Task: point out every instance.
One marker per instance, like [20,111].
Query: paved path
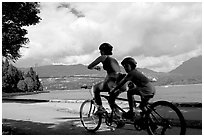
[51,118]
[69,128]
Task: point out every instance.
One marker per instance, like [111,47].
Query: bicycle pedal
[112,128]
[120,124]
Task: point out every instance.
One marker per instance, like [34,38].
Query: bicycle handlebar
[86,87]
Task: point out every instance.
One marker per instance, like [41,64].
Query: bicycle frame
[121,99]
[107,97]
[118,107]
[149,115]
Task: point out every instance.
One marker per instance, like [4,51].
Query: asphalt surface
[18,127]
[62,118]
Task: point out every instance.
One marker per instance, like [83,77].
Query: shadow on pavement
[18,127]
[70,127]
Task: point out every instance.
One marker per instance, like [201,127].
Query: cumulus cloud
[160,35]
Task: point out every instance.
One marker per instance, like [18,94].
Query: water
[182,93]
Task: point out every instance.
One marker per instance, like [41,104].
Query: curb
[23,100]
[178,104]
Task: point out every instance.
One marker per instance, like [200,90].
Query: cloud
[165,63]
[70,33]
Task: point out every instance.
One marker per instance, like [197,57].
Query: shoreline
[47,91]
[179,94]
[178,104]
[180,85]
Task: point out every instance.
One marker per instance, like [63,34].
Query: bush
[22,86]
[30,84]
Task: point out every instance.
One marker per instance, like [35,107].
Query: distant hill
[65,70]
[191,67]
[79,70]
[190,72]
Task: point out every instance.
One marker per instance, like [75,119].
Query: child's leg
[130,93]
[97,89]
[113,96]
[100,87]
[144,101]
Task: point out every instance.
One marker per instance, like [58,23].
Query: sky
[160,36]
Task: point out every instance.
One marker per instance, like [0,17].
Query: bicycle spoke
[89,119]
[165,118]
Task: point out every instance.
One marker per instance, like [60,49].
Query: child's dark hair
[129,60]
[106,48]
[132,66]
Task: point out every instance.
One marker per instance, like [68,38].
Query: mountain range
[191,67]
[189,72]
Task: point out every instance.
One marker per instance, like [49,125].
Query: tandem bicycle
[159,118]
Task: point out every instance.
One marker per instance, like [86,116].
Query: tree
[15,15]
[31,73]
[22,86]
[37,82]
[10,77]
[5,76]
[40,87]
[30,84]
[32,81]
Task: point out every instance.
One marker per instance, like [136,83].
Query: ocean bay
[172,93]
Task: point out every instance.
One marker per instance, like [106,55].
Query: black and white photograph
[101,68]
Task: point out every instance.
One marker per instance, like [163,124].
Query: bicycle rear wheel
[165,118]
[89,119]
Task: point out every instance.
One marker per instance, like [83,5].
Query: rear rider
[143,86]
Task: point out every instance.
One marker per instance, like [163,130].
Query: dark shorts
[142,92]
[112,80]
[145,96]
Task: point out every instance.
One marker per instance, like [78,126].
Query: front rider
[112,68]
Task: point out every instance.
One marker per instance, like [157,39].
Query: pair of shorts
[112,80]
[141,92]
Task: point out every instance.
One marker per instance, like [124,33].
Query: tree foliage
[15,15]
[22,86]
[14,80]
[32,81]
[10,77]
[30,84]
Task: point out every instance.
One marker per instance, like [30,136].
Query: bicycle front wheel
[89,119]
[165,118]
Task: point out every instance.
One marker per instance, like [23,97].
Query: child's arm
[120,84]
[94,64]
